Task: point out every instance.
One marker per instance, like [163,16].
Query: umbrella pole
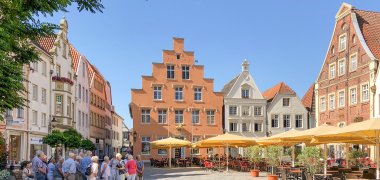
[170,157]
[325,154]
[219,156]
[377,155]
[293,155]
[227,157]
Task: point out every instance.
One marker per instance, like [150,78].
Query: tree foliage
[19,27]
[353,156]
[88,145]
[254,154]
[311,159]
[273,154]
[54,139]
[3,152]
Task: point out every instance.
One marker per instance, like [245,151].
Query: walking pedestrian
[131,167]
[121,168]
[51,169]
[140,168]
[58,174]
[69,168]
[84,163]
[27,172]
[94,168]
[113,163]
[105,169]
[78,174]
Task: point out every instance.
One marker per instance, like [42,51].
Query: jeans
[40,176]
[84,177]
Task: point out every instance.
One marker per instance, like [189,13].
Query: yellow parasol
[169,143]
[368,131]
[227,140]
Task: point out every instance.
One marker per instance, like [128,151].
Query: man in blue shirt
[84,163]
[69,167]
[39,167]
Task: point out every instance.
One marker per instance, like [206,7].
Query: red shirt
[131,166]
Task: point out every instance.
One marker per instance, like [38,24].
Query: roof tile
[280,88]
[307,99]
[369,24]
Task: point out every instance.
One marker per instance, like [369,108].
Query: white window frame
[341,67]
[236,110]
[147,141]
[340,42]
[210,114]
[197,94]
[248,127]
[243,112]
[195,116]
[185,72]
[35,92]
[322,103]
[353,68]
[245,93]
[178,93]
[299,120]
[332,70]
[351,95]
[44,68]
[275,117]
[234,127]
[342,103]
[170,71]
[363,99]
[43,120]
[179,116]
[332,101]
[162,116]
[283,102]
[260,127]
[145,116]
[194,140]
[289,120]
[20,112]
[34,117]
[258,110]
[157,92]
[43,95]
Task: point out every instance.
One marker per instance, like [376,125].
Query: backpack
[88,170]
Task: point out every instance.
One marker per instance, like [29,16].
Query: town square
[189,89]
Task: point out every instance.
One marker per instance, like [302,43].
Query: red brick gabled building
[344,88]
[175,101]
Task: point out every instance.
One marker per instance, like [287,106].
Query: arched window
[353,39]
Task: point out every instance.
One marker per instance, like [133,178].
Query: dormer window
[245,93]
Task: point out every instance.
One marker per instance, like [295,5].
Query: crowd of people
[82,166]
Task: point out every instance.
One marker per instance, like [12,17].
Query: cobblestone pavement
[195,173]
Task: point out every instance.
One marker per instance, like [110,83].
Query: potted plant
[311,159]
[254,154]
[353,157]
[273,156]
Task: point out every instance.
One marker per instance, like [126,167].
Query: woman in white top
[27,173]
[94,168]
[105,169]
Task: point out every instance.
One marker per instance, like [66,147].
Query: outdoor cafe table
[296,172]
[323,176]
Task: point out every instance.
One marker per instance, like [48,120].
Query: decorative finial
[245,65]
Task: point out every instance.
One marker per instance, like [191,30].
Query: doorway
[179,152]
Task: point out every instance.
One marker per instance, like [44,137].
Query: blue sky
[283,40]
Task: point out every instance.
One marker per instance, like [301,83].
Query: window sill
[198,101]
[196,124]
[365,102]
[170,79]
[162,123]
[145,154]
[211,125]
[158,100]
[145,123]
[180,101]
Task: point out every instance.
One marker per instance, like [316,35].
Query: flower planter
[255,173]
[272,177]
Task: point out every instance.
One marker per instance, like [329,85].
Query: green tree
[274,154]
[353,156]
[311,159]
[19,27]
[254,154]
[3,152]
[86,144]
[54,139]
